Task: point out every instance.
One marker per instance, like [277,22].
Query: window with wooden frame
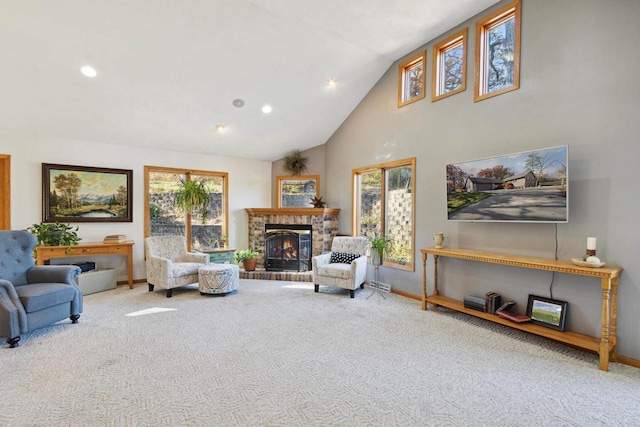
[297,191]
[449,74]
[497,62]
[5,192]
[163,218]
[411,79]
[383,203]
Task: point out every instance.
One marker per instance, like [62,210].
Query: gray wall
[579,86]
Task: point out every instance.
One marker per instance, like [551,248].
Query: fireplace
[323,223]
[287,247]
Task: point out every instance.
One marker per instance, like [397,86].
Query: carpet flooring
[277,354]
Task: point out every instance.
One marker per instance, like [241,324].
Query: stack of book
[475,302]
[115,238]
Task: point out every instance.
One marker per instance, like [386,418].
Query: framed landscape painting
[86,194]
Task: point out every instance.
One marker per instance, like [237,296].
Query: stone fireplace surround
[324,222]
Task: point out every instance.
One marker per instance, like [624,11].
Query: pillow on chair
[343,258]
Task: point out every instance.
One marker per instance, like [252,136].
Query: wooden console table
[605,346]
[45,253]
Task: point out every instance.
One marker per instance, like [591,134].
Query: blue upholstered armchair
[32,297]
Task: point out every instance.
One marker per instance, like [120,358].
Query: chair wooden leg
[151,287]
[362,285]
[169,293]
[13,342]
[74,318]
[316,288]
[352,293]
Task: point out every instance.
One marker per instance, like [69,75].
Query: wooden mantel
[293,211]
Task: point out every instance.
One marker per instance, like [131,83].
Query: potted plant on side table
[55,234]
[248,258]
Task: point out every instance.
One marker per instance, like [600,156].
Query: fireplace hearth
[287,247]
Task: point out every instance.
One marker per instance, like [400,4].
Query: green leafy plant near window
[380,244]
[55,234]
[192,197]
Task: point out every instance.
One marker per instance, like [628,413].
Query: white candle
[591,243]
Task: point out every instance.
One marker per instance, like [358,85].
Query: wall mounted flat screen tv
[530,186]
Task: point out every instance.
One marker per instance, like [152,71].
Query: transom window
[411,80]
[497,63]
[384,204]
[449,66]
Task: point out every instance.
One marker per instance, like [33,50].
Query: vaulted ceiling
[168,71]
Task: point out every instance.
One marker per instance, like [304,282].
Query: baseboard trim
[126,282]
[406,294]
[628,361]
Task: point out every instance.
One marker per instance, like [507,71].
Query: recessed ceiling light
[331,82]
[221,128]
[88,71]
[239,103]
[267,109]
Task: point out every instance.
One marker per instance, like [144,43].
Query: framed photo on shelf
[297,191]
[547,312]
[86,194]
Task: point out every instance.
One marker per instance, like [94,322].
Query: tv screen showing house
[530,186]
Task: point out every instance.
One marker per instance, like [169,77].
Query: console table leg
[424,281]
[606,323]
[614,319]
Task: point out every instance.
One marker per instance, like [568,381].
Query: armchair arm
[159,270]
[319,261]
[195,257]
[13,318]
[53,274]
[359,269]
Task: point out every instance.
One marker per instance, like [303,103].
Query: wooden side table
[45,253]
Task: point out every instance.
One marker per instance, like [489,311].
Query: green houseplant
[192,197]
[380,245]
[248,258]
[55,234]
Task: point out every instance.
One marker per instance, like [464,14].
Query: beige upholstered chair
[169,265]
[337,270]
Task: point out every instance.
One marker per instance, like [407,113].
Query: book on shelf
[510,315]
[115,238]
[492,301]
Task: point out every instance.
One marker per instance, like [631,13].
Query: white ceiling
[169,70]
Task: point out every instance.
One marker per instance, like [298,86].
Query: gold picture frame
[297,191]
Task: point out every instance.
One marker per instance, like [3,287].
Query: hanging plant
[295,163]
[193,198]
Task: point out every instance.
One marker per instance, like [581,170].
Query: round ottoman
[218,279]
